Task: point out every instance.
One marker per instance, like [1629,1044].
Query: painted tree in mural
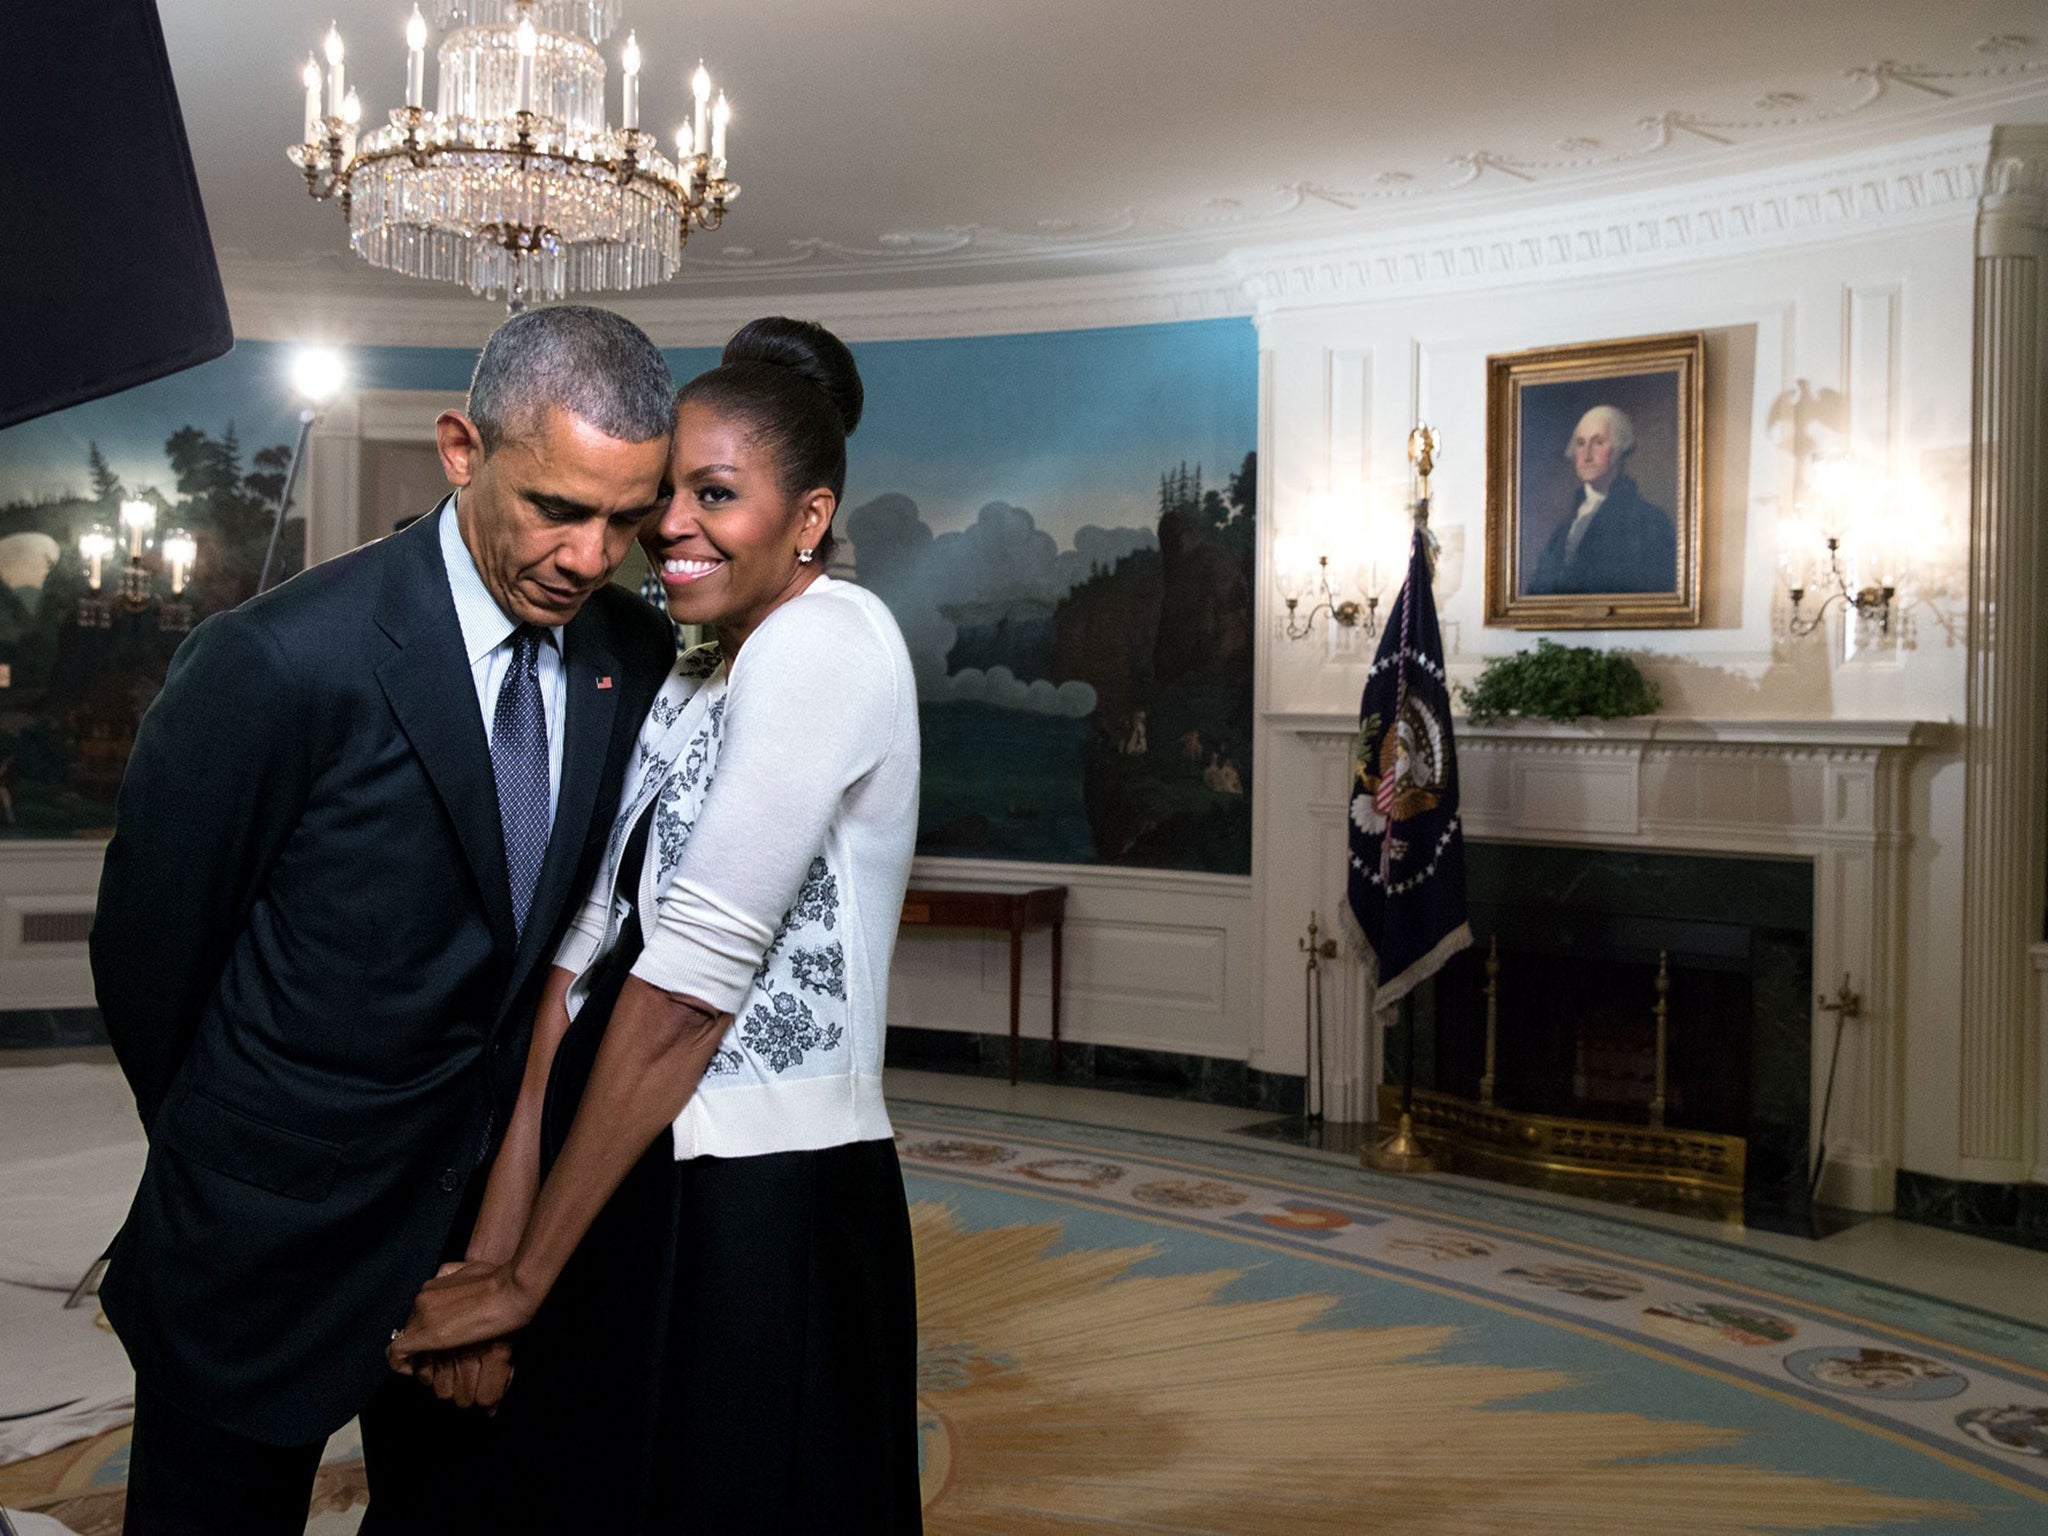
[74,696]
[1165,638]
[229,511]
[106,485]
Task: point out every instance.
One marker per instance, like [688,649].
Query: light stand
[284,500]
[317,376]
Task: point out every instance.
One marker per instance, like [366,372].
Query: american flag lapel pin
[605,681]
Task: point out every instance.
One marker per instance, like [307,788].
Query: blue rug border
[1335,1175]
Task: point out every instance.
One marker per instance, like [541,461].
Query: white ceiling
[898,142]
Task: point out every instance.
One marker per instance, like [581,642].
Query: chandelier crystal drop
[516,185]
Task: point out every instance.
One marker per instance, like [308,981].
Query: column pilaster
[2006,740]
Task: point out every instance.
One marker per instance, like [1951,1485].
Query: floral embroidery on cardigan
[776,1030]
[820,970]
[783,1029]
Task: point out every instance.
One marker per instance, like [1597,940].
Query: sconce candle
[180,551]
[721,116]
[700,125]
[138,517]
[94,545]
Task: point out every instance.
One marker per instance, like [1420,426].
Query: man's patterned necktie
[519,759]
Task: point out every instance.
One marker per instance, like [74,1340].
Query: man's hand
[457,1339]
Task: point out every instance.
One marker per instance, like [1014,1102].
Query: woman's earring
[806,556]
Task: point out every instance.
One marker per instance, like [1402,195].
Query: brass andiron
[1486,1079]
[1314,1093]
[1401,1152]
[1662,1014]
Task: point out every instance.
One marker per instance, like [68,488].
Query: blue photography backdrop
[1062,523]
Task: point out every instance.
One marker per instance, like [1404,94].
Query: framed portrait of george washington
[1593,485]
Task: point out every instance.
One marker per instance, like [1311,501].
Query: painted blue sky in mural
[1073,426]
[250,387]
[1053,423]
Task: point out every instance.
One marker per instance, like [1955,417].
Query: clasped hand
[457,1340]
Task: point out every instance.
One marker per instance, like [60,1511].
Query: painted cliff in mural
[1082,705]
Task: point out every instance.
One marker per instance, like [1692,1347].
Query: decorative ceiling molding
[1884,97]
[1842,197]
[329,299]
[1779,118]
[1845,196]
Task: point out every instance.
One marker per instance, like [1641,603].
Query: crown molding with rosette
[328,299]
[1843,197]
[1777,121]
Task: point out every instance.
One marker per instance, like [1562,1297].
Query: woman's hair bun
[809,350]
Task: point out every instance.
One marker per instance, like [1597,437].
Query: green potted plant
[1559,682]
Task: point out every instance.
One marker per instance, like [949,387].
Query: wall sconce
[135,591]
[1297,582]
[1368,546]
[1845,542]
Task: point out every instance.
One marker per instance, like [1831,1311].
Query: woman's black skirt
[732,1350]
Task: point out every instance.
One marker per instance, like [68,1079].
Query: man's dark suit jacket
[1629,546]
[305,955]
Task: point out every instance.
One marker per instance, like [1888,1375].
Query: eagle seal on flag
[1406,890]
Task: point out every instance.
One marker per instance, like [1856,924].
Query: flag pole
[1403,1152]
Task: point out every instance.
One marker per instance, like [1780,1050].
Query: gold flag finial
[1424,443]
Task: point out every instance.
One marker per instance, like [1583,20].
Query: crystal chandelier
[516,185]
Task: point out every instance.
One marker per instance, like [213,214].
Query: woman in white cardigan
[696,1222]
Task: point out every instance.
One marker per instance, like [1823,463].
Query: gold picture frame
[1574,538]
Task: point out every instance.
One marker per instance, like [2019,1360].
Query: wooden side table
[1012,911]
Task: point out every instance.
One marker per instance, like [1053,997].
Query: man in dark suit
[1615,541]
[350,833]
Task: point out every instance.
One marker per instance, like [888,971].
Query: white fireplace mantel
[1832,791]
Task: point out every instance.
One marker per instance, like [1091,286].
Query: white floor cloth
[26,1524]
[71,1154]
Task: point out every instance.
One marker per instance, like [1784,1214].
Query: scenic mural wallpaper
[1063,524]
[208,449]
[1064,527]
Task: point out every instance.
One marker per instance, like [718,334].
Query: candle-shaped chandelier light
[516,185]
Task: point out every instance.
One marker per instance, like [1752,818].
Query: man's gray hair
[1620,430]
[592,363]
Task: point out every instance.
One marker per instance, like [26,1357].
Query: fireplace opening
[1581,938]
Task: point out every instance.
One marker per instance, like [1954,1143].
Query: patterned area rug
[1135,1333]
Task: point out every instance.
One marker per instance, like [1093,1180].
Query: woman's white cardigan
[785,806]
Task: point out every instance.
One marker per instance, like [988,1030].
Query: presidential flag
[1406,892]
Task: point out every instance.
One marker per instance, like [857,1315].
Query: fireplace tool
[1844,1005]
[1314,1090]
